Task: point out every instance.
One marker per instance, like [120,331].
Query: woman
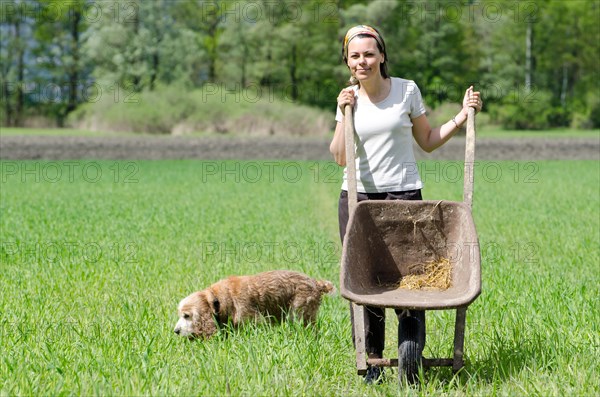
[388,114]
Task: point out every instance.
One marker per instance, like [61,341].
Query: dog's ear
[205,324]
[213,301]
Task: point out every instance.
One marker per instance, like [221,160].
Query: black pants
[375,316]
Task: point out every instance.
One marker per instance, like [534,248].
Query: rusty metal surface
[385,240]
[459,338]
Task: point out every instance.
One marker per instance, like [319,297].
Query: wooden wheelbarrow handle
[358,310]
[469,159]
[350,158]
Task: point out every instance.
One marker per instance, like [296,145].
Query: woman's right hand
[346,97]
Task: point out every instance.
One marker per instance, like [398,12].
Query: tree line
[536,61]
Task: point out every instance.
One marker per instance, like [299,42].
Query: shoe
[374,375]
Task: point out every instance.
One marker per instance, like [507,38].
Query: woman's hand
[472,99]
[346,97]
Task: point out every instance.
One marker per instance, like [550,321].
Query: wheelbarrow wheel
[410,349]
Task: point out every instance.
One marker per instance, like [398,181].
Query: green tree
[139,45]
[206,18]
[438,57]
[289,48]
[58,41]
[540,58]
[535,61]
[15,28]
[567,59]
[110,45]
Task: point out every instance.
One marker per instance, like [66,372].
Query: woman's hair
[363,31]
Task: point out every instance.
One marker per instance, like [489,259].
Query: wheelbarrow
[386,241]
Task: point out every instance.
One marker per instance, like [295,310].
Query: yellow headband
[358,30]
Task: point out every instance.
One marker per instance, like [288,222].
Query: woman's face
[364,58]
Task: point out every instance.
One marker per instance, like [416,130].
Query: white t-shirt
[385,161]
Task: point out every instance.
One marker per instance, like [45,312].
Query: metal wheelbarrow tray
[388,240]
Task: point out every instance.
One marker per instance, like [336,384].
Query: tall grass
[214,109]
[94,262]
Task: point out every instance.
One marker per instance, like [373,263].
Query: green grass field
[95,256]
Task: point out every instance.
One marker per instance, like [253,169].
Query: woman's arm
[338,145]
[430,139]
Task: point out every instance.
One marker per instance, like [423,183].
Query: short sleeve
[417,107]
[338,115]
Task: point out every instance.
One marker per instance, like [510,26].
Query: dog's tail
[326,287]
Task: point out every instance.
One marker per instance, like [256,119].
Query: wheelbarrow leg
[459,339]
[359,338]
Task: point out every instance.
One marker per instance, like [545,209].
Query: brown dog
[242,298]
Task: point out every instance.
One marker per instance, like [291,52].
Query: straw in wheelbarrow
[433,275]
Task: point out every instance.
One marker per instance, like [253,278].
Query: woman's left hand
[472,99]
